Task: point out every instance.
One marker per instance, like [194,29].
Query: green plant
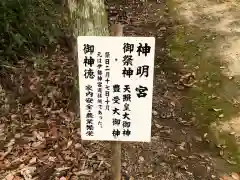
[26,26]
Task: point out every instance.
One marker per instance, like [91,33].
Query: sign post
[116,30]
[116,86]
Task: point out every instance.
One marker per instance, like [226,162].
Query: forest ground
[39,125]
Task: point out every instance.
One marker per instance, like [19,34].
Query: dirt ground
[221,17]
[39,119]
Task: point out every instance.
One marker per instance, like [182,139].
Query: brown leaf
[226,177]
[217,109]
[54,132]
[9,177]
[62,169]
[86,172]
[69,144]
[91,155]
[17,178]
[39,135]
[11,143]
[63,178]
[231,162]
[158,126]
[221,115]
[36,144]
[6,153]
[33,160]
[78,146]
[235,176]
[2,165]
[150,176]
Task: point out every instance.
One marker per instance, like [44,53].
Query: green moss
[194,48]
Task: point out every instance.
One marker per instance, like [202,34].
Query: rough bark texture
[88,18]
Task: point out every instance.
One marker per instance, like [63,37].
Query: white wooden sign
[116,86]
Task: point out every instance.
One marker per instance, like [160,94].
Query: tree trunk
[88,18]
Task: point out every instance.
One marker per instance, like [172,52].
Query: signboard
[116,86]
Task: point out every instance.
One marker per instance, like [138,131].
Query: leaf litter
[41,136]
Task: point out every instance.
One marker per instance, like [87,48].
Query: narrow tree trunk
[88,18]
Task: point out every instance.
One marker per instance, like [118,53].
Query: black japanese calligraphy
[126,132]
[127,72]
[126,97]
[99,95]
[116,100]
[99,61]
[128,47]
[143,49]
[126,115]
[107,101]
[116,121]
[88,61]
[100,124]
[127,88]
[99,85]
[115,133]
[107,79]
[116,111]
[126,107]
[89,121]
[89,106]
[88,73]
[116,108]
[89,133]
[143,70]
[107,61]
[116,88]
[126,110]
[127,60]
[107,54]
[99,78]
[115,85]
[90,127]
[126,124]
[88,48]
[141,91]
[99,72]
[89,115]
[89,100]
[89,88]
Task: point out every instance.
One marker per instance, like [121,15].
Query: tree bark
[87,18]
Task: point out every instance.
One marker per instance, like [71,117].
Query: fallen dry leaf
[38,135]
[11,143]
[221,115]
[17,178]
[62,169]
[235,176]
[27,172]
[69,144]
[226,177]
[86,172]
[63,178]
[33,160]
[6,153]
[217,109]
[9,177]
